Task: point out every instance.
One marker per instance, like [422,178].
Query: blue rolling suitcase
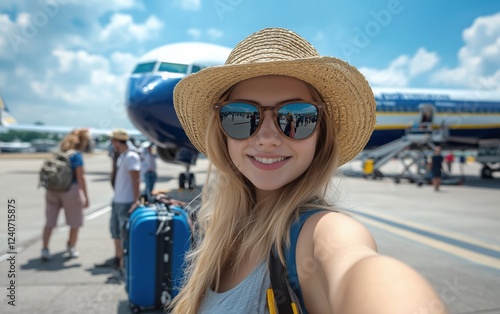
[154,262]
[139,212]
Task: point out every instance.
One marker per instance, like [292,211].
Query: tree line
[27,136]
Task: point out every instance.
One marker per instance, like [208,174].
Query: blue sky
[63,61]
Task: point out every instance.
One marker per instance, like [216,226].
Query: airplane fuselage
[468,115]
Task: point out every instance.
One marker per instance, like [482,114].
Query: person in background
[74,200]
[462,160]
[148,169]
[126,185]
[449,158]
[436,168]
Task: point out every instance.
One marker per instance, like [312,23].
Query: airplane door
[426,116]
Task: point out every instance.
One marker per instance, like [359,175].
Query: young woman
[260,184]
[74,200]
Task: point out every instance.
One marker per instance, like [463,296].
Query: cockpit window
[144,67]
[195,68]
[173,67]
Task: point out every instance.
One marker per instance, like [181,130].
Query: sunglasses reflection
[242,125]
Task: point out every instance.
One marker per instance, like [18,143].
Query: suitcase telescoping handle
[163,226]
[164,234]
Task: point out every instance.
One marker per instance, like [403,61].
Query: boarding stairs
[409,150]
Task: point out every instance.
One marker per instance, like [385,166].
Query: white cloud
[211,33]
[9,4]
[97,7]
[422,62]
[402,69]
[479,59]
[81,79]
[195,33]
[7,26]
[188,5]
[79,61]
[24,19]
[214,33]
[81,86]
[394,75]
[123,63]
[64,68]
[122,29]
[18,33]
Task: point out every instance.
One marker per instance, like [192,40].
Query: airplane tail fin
[6,118]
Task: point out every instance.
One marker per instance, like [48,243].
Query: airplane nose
[146,89]
[149,103]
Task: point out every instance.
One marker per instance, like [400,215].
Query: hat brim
[119,138]
[349,100]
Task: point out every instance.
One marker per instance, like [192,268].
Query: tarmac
[451,237]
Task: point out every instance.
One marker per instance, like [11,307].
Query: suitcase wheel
[135,309]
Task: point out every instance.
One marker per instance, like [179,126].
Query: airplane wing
[8,122]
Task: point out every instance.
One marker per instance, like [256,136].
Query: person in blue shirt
[72,201]
[148,170]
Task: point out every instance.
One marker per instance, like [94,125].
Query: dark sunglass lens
[304,117]
[239,120]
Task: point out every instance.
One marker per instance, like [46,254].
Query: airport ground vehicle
[488,154]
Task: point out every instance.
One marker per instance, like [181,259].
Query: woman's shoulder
[338,224]
[332,242]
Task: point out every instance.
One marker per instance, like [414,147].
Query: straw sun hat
[275,51]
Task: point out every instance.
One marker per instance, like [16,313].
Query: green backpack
[56,174]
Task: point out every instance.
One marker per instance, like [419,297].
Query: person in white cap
[265,208]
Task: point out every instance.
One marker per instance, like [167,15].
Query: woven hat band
[270,45]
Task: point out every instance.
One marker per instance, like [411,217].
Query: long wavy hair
[232,225]
[78,139]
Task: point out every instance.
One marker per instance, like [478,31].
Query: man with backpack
[64,179]
[126,182]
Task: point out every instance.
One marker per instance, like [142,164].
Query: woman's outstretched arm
[341,272]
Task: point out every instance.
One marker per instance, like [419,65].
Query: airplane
[149,98]
[8,122]
[469,116]
[16,147]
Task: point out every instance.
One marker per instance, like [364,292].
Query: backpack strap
[278,296]
[290,252]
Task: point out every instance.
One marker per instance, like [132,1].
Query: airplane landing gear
[187,178]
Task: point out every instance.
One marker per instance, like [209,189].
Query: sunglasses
[297,120]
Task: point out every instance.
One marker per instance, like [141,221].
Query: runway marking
[422,228]
[6,255]
[97,213]
[471,252]
[88,217]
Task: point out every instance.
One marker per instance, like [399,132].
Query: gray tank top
[249,296]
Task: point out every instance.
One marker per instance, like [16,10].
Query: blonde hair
[232,225]
[78,139]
